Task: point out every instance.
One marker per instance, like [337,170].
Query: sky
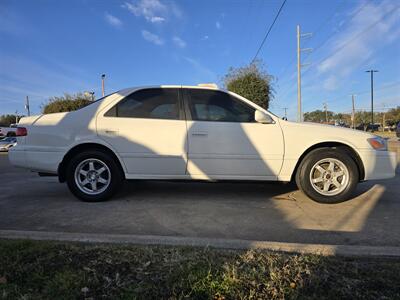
[48,48]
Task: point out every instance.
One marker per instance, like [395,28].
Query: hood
[314,133]
[330,129]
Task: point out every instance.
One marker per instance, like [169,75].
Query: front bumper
[378,164]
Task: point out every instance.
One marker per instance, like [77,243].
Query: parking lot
[248,211]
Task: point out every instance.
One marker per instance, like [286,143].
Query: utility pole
[372,96]
[383,117]
[353,113]
[285,109]
[16,117]
[27,106]
[299,65]
[326,111]
[103,76]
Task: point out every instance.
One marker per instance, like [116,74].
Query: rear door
[225,141]
[148,130]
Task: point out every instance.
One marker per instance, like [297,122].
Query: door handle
[111,132]
[200,133]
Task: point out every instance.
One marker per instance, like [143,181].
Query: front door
[225,142]
[148,130]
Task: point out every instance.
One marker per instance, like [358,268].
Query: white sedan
[195,133]
[7,143]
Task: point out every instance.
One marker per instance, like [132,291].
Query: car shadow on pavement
[202,189]
[283,214]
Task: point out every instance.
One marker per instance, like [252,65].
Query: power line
[347,21]
[368,109]
[299,66]
[380,88]
[269,30]
[348,41]
[322,25]
[344,45]
[331,100]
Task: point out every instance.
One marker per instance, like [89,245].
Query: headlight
[378,143]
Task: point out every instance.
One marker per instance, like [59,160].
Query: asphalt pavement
[247,211]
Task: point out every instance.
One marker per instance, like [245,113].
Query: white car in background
[7,142]
[200,133]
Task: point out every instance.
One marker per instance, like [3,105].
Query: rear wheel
[327,175]
[93,176]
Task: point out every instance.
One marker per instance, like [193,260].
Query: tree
[393,116]
[66,103]
[251,82]
[342,118]
[318,116]
[362,118]
[7,120]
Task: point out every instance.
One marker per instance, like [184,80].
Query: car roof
[203,87]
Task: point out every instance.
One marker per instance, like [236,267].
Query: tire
[312,180]
[103,174]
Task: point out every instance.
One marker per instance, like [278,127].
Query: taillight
[21,131]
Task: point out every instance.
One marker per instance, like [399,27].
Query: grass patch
[385,134]
[51,270]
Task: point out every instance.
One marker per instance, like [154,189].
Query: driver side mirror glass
[262,117]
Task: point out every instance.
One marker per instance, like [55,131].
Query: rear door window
[154,103]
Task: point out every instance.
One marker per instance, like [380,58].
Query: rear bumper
[17,158]
[378,164]
[40,161]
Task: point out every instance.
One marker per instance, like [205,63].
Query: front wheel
[93,176]
[327,175]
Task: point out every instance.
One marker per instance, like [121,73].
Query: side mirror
[262,117]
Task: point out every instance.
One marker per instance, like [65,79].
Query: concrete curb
[321,249]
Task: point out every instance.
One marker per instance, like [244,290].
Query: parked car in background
[7,131]
[368,127]
[7,142]
[361,127]
[341,124]
[195,133]
[373,127]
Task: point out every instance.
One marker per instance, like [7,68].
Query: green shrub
[251,82]
[66,103]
